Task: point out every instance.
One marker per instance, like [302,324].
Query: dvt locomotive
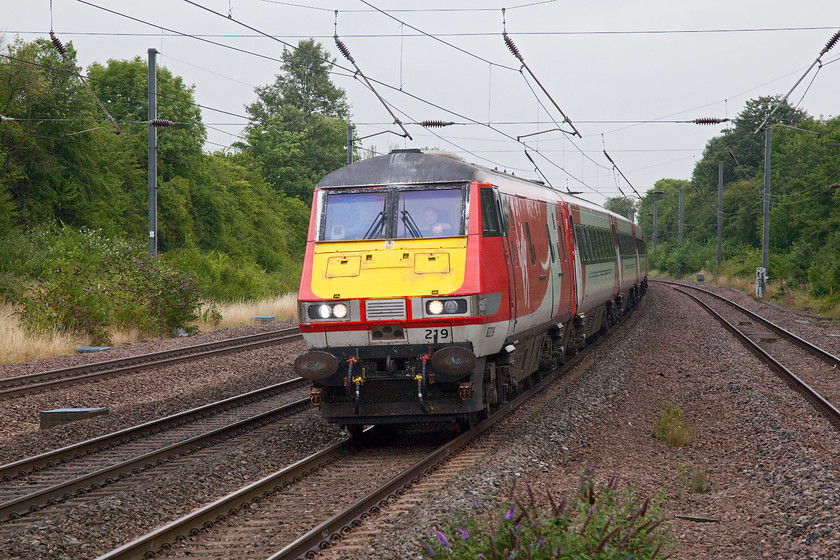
[433,289]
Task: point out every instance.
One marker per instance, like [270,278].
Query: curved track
[808,368]
[36,382]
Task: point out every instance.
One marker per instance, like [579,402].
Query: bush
[225,278]
[97,284]
[824,273]
[600,522]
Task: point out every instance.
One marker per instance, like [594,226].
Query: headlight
[327,311]
[454,306]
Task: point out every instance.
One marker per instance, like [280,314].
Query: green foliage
[55,169]
[221,277]
[217,209]
[622,206]
[804,211]
[681,260]
[601,522]
[303,83]
[824,273]
[670,428]
[299,133]
[742,262]
[95,284]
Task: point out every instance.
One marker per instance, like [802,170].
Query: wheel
[354,430]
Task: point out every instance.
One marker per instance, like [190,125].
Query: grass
[693,479]
[236,314]
[17,344]
[671,429]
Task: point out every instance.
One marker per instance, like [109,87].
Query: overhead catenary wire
[554,33]
[346,52]
[293,47]
[828,46]
[403,91]
[512,35]
[515,51]
[63,52]
[622,174]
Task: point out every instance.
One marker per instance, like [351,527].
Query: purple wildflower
[429,548]
[509,513]
[442,538]
[465,534]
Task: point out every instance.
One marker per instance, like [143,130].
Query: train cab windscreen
[393,213]
[429,213]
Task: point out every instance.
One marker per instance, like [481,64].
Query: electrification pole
[152,152]
[720,210]
[765,237]
[681,215]
[655,215]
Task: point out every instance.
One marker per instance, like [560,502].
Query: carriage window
[430,213]
[490,225]
[530,245]
[354,216]
[550,246]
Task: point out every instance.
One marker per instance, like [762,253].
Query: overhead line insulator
[510,45]
[831,43]
[343,48]
[708,120]
[58,45]
[436,124]
[162,122]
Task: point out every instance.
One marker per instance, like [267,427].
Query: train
[433,290]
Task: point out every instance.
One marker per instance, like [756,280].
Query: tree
[622,206]
[299,127]
[743,142]
[304,83]
[59,162]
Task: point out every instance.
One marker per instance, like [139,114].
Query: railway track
[808,368]
[265,518]
[47,380]
[49,478]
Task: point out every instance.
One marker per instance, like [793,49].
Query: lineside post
[152,152]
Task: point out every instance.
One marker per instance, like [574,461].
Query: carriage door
[565,266]
[615,238]
[511,260]
[580,288]
[555,267]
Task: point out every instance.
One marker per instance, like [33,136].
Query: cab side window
[490,220]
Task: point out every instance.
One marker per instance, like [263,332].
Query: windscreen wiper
[375,229]
[410,224]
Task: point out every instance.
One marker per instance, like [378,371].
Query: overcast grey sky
[607,64]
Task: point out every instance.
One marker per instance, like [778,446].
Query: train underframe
[397,384]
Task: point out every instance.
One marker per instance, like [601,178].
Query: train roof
[413,166]
[401,167]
